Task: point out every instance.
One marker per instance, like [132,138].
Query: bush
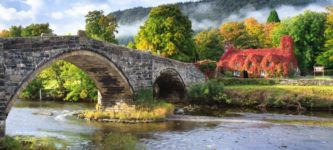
[9,143]
[209,92]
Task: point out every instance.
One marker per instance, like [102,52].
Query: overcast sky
[64,16]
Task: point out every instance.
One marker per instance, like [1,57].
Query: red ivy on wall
[274,62]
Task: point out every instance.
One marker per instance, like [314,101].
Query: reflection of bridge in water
[118,72]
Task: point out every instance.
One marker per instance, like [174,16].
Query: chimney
[228,46]
[287,43]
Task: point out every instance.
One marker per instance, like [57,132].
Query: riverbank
[280,96]
[32,143]
[296,94]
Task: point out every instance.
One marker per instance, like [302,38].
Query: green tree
[101,27]
[307,31]
[36,30]
[273,17]
[15,31]
[209,44]
[65,81]
[167,32]
[31,92]
[326,58]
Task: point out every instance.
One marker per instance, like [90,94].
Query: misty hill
[208,13]
[211,9]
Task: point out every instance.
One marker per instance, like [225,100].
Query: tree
[307,31]
[209,44]
[266,39]
[235,32]
[255,31]
[167,32]
[101,27]
[36,30]
[326,58]
[15,31]
[4,33]
[273,17]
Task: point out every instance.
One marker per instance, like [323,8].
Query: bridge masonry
[118,72]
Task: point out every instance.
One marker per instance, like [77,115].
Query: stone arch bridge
[118,72]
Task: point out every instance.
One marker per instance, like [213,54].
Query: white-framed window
[262,73]
[236,73]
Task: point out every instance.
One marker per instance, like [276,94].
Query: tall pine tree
[273,17]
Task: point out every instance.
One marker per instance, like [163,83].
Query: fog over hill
[207,14]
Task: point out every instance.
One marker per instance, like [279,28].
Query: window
[262,73]
[236,73]
[269,64]
[250,64]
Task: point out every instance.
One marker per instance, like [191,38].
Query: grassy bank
[323,123]
[31,143]
[287,96]
[130,113]
[144,109]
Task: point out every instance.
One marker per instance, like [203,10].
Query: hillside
[212,9]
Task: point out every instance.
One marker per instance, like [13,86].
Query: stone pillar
[99,105]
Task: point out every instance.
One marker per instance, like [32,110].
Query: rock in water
[179,111]
[44,113]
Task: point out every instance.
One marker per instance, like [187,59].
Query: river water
[227,129]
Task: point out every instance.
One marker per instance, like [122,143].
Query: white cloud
[125,30]
[57,15]
[261,15]
[9,14]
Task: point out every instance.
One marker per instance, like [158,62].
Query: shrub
[209,92]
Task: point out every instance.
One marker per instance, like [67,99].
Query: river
[226,129]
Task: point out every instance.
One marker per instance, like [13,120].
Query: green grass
[303,122]
[32,143]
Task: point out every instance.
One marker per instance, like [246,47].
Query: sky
[64,16]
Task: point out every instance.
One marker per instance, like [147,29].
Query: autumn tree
[4,33]
[326,58]
[255,33]
[273,17]
[268,30]
[167,32]
[209,44]
[101,27]
[236,33]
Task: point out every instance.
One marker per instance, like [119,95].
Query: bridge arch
[169,85]
[111,82]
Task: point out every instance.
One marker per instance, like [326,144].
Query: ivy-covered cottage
[254,63]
